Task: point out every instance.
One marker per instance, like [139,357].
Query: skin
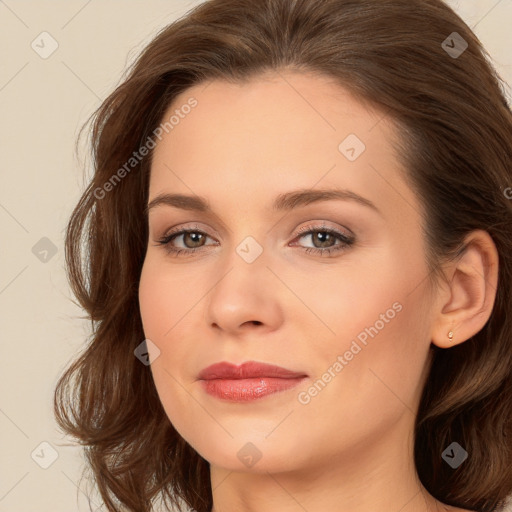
[351,447]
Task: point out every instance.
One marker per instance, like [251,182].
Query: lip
[247,382]
[248,370]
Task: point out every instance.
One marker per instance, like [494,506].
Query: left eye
[193,236]
[326,236]
[194,239]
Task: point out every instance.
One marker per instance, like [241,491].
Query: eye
[193,239]
[324,240]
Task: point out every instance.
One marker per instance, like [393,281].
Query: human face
[355,321]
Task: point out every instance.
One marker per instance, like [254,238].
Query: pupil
[324,235]
[196,237]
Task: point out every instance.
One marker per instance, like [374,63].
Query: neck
[379,473]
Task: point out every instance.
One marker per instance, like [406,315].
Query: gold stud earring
[450,336]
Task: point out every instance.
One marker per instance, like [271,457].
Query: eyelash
[347,241]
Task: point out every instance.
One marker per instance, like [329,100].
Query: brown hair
[456,144]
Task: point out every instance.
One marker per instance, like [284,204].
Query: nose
[247,297]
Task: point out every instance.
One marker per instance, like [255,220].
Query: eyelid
[323,226]
[346,241]
[311,226]
[187,227]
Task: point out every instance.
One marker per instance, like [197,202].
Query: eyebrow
[283,202]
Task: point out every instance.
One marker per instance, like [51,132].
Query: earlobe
[466,306]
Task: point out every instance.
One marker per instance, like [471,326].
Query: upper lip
[250,369]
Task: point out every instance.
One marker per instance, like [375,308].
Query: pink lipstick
[250,381]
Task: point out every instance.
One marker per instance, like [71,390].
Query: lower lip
[246,390]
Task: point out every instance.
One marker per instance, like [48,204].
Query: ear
[465,304]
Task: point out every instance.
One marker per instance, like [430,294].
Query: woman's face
[347,307]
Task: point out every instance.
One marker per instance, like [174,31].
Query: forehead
[274,133]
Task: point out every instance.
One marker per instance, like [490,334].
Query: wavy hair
[456,144]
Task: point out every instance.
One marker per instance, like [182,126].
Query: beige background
[43,104]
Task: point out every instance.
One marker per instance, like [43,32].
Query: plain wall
[44,101]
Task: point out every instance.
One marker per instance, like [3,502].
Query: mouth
[248,382]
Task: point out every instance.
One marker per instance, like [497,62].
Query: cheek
[151,302]
[378,355]
[378,381]
[338,302]
[164,299]
[171,302]
[161,308]
[375,317]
